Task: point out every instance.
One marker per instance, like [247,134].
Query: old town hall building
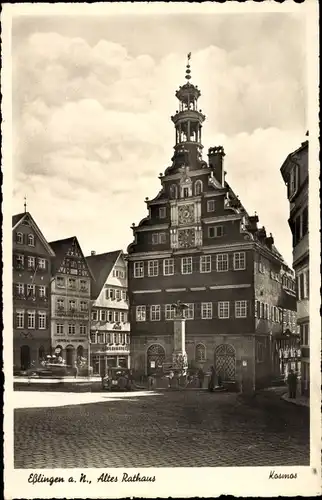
[199,245]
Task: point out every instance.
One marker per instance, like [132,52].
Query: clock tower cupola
[188,124]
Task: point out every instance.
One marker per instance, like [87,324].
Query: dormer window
[198,188]
[185,192]
[210,205]
[162,213]
[31,240]
[173,192]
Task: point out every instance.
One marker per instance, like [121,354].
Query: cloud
[92,128]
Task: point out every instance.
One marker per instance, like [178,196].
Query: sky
[93,97]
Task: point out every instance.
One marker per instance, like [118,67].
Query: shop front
[110,357]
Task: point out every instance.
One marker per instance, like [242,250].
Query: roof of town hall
[61,247]
[101,265]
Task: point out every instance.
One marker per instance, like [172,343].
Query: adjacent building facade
[198,245]
[110,327]
[32,257]
[70,301]
[295,174]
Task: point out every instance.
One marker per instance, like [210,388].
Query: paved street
[169,429]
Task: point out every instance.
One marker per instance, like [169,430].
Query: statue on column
[179,307]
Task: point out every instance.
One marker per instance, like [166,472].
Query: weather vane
[25,204]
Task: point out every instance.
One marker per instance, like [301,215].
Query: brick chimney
[216,163]
[93,252]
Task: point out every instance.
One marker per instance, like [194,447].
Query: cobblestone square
[165,429]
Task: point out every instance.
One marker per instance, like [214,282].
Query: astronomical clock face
[186,238]
[186,214]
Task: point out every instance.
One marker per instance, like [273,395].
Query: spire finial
[188,76]
[25,204]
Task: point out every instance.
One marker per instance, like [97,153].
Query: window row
[109,316]
[195,190]
[206,264]
[266,311]
[72,283]
[30,262]
[31,319]
[303,285]
[119,273]
[26,290]
[211,206]
[207,311]
[25,239]
[115,294]
[72,305]
[110,338]
[71,329]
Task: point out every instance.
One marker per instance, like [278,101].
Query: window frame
[211,203]
[241,306]
[153,265]
[223,305]
[140,313]
[226,260]
[166,264]
[237,259]
[162,212]
[207,259]
[155,312]
[138,265]
[183,264]
[205,308]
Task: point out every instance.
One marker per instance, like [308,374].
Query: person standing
[201,377]
[292,383]
[75,369]
[211,384]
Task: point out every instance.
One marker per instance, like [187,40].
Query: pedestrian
[211,383]
[150,382]
[201,377]
[171,375]
[292,383]
[75,369]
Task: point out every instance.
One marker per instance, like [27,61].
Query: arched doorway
[225,362]
[70,355]
[25,357]
[155,358]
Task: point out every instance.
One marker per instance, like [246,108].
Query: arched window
[200,353]
[198,188]
[31,240]
[19,238]
[173,192]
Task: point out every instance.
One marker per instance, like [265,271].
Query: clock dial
[186,214]
[186,238]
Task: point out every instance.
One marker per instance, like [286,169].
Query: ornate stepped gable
[69,258]
[180,209]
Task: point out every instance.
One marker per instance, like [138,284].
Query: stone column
[179,356]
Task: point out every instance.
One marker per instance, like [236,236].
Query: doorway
[25,357]
[70,354]
[155,359]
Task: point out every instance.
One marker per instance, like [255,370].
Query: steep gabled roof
[19,218]
[101,265]
[61,247]
[16,218]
